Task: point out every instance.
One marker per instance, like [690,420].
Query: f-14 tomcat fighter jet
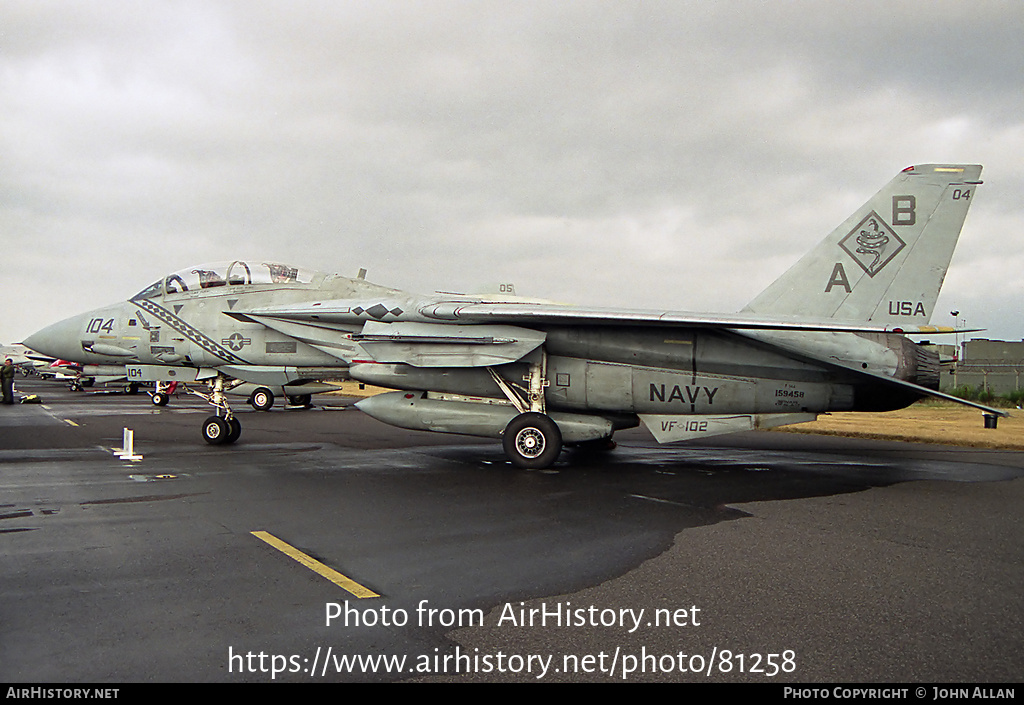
[829,335]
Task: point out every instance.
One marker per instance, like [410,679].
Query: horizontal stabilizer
[925,391]
[918,389]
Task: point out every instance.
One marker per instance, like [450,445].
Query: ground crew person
[7,380]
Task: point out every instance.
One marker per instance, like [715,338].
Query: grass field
[924,422]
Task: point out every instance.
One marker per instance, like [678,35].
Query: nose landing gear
[222,428]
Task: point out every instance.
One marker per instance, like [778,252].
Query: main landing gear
[263,399]
[532,439]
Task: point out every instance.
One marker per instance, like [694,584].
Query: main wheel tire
[216,430]
[300,399]
[532,441]
[262,399]
[234,430]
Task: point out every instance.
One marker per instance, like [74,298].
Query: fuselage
[677,371]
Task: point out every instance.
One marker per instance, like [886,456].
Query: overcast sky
[674,155]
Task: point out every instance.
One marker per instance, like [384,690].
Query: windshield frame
[230,273]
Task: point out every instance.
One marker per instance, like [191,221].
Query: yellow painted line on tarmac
[316,566]
[49,411]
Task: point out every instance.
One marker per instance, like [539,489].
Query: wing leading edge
[324,314]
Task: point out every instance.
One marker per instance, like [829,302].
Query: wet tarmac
[763,557]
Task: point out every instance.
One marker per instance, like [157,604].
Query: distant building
[994,365]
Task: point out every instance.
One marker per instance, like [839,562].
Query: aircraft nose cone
[61,340]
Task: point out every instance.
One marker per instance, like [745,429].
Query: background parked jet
[80,376]
[24,359]
[826,336]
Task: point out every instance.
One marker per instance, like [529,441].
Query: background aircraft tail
[887,261]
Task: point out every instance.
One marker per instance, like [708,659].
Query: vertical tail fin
[886,262]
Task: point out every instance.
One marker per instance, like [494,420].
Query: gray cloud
[638,154]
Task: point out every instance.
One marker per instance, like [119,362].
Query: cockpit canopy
[235,273]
